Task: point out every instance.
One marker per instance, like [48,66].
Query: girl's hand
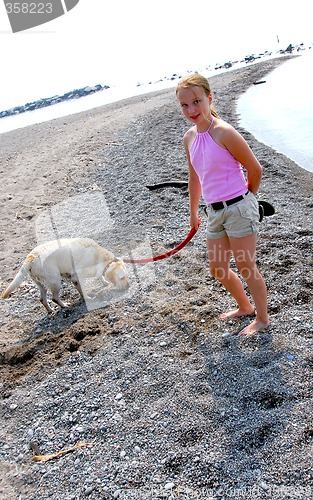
[195,222]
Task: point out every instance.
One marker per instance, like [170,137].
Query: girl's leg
[244,250]
[219,252]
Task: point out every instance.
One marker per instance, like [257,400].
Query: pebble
[118,396]
[169,486]
[264,486]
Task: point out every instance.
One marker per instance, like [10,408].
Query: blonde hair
[196,80]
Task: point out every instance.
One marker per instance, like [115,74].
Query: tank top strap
[211,124]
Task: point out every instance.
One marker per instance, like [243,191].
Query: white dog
[77,259]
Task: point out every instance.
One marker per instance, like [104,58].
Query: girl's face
[195,106]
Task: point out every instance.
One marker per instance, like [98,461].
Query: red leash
[181,245]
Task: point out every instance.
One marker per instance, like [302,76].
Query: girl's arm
[194,190]
[239,148]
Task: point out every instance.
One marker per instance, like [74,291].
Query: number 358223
[28,8]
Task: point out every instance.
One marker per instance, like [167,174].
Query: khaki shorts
[237,220]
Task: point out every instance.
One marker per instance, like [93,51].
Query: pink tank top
[220,174]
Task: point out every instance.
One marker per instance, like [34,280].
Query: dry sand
[174,404]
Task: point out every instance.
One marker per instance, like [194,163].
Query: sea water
[279,112]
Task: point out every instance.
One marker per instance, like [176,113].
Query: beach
[171,402]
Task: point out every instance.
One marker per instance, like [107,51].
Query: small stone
[163,344]
[137,449]
[169,486]
[264,486]
[13,407]
[123,454]
[118,396]
[117,417]
[88,490]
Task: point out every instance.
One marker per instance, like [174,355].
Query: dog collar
[109,263]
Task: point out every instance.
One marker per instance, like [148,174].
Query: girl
[216,153]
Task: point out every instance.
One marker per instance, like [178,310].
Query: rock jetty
[49,101]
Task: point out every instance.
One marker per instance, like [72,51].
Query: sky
[114,42]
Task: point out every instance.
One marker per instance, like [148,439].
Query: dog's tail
[18,280]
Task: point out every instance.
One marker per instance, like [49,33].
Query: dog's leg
[57,300]
[43,297]
[76,283]
[55,288]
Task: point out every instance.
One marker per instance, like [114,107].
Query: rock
[49,101]
[169,486]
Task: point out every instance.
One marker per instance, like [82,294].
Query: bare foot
[254,327]
[236,313]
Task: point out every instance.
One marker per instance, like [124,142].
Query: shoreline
[94,100]
[90,97]
[200,411]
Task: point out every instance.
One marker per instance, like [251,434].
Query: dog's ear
[117,274]
[109,273]
[114,271]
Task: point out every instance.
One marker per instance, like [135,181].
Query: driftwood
[45,458]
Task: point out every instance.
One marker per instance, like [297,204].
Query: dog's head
[116,273]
